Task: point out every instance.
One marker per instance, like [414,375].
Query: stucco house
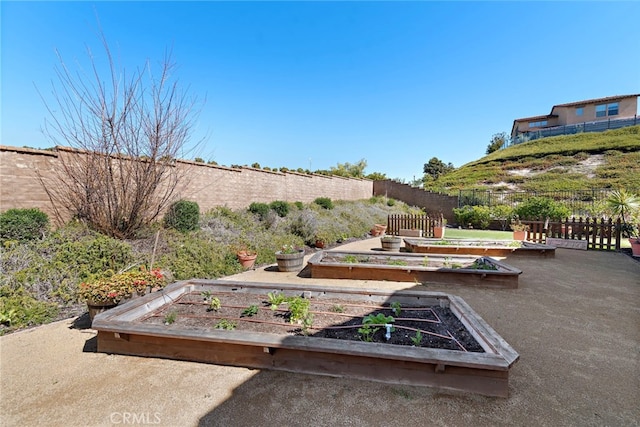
[592,115]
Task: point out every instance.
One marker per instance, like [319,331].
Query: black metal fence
[599,126]
[581,202]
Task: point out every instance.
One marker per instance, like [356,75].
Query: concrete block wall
[209,185]
[433,203]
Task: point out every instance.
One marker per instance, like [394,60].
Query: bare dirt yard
[574,320]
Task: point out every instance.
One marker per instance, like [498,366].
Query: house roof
[528,119]
[596,100]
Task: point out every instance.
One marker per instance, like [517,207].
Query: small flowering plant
[121,285]
[289,249]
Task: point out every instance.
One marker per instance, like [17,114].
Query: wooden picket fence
[412,222]
[600,234]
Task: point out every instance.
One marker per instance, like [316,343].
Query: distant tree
[498,141]
[350,170]
[377,176]
[212,162]
[437,167]
[198,160]
[255,165]
[128,129]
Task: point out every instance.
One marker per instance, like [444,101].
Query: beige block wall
[209,185]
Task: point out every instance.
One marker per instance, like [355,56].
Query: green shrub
[260,209]
[299,205]
[23,224]
[183,216]
[541,208]
[280,207]
[474,216]
[19,309]
[325,202]
[391,202]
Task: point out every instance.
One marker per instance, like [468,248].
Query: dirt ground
[575,320]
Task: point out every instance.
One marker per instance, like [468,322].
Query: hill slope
[590,160]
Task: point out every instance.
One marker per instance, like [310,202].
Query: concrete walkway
[575,320]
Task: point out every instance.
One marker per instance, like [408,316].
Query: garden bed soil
[458,351]
[500,248]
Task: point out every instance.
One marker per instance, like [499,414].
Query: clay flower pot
[635,246]
[247,259]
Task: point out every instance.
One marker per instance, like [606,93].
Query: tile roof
[596,100]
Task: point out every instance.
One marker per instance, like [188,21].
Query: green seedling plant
[225,324]
[170,317]
[372,324]
[425,261]
[351,259]
[206,295]
[481,264]
[456,265]
[396,262]
[275,299]
[417,339]
[215,304]
[252,310]
[298,310]
[396,307]
[337,308]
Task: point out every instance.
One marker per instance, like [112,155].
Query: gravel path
[575,320]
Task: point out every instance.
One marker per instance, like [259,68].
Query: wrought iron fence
[598,126]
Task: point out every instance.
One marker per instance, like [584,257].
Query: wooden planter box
[501,248]
[121,331]
[407,267]
[410,232]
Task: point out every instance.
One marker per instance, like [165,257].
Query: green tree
[347,169]
[377,176]
[436,167]
[498,141]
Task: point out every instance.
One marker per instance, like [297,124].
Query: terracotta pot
[520,235]
[438,232]
[635,246]
[246,260]
[319,244]
[378,230]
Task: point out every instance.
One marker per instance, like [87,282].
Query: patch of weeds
[402,393]
[425,261]
[252,310]
[225,324]
[481,264]
[337,308]
[215,304]
[396,262]
[351,259]
[456,265]
[170,317]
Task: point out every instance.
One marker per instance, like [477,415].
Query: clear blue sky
[313,84]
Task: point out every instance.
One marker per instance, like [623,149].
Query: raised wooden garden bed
[409,267]
[501,248]
[464,353]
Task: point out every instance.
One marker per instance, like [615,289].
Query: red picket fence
[601,234]
[417,222]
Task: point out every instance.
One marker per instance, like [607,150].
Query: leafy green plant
[252,310]
[396,307]
[372,324]
[473,216]
[541,208]
[215,304]
[298,309]
[19,309]
[23,224]
[425,261]
[119,286]
[170,317]
[183,216]
[481,264]
[275,299]
[398,262]
[624,205]
[225,324]
[337,308]
[417,339]
[324,202]
[351,259]
[280,207]
[259,209]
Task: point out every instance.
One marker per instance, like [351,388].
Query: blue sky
[313,84]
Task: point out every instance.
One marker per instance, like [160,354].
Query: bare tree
[125,134]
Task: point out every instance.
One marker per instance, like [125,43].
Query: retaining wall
[434,204]
[209,185]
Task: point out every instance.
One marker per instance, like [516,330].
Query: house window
[538,124]
[604,110]
[579,111]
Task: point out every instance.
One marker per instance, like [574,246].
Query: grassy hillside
[589,160]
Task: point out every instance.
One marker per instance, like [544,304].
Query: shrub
[299,205]
[541,208]
[502,213]
[391,202]
[475,216]
[324,202]
[260,209]
[183,216]
[23,224]
[280,207]
[19,309]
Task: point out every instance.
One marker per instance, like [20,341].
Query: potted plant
[290,258]
[635,243]
[106,292]
[323,238]
[391,243]
[247,257]
[378,230]
[519,230]
[439,227]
